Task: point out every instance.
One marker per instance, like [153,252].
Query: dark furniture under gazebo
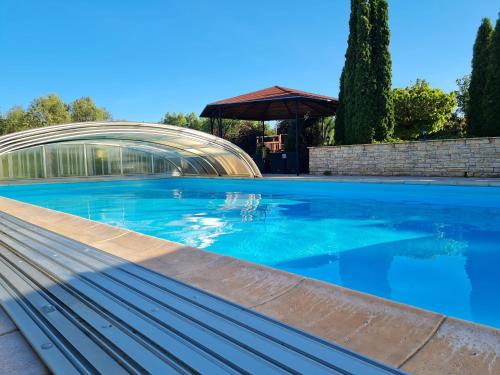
[274,103]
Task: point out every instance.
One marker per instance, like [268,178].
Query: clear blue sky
[140,59]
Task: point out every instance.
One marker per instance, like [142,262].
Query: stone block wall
[472,157]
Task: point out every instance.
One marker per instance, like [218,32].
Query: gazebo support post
[220,123]
[212,125]
[322,131]
[263,134]
[262,153]
[297,137]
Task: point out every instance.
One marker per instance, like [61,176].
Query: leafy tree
[421,110]
[455,127]
[177,119]
[480,60]
[185,120]
[318,132]
[491,104]
[462,95]
[47,110]
[84,109]
[51,110]
[383,109]
[315,132]
[326,129]
[245,135]
[230,128]
[15,119]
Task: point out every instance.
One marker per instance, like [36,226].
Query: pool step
[86,311]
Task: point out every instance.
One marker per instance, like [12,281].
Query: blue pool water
[436,247]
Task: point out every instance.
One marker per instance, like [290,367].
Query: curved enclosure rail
[119,148]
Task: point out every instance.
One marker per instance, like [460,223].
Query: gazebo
[274,103]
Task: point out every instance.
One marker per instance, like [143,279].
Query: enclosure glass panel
[4,166]
[65,160]
[162,165]
[103,160]
[201,165]
[232,165]
[136,162]
[23,164]
[35,162]
[186,167]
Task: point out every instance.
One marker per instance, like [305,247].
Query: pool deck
[418,341]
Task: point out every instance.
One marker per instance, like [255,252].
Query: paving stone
[135,245]
[242,282]
[182,261]
[379,328]
[459,347]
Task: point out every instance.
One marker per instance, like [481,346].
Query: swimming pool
[435,247]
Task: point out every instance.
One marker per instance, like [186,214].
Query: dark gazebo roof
[274,103]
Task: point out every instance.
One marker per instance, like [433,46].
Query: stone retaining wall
[472,157]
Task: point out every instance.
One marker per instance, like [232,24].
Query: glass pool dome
[119,148]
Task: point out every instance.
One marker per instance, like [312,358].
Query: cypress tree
[358,127]
[491,103]
[480,67]
[339,134]
[383,110]
[366,110]
[346,79]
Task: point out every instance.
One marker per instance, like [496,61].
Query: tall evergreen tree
[383,111]
[339,134]
[358,127]
[366,111]
[491,103]
[480,67]
[347,77]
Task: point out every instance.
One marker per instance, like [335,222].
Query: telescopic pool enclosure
[119,148]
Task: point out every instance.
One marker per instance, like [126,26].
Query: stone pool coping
[406,180]
[416,340]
